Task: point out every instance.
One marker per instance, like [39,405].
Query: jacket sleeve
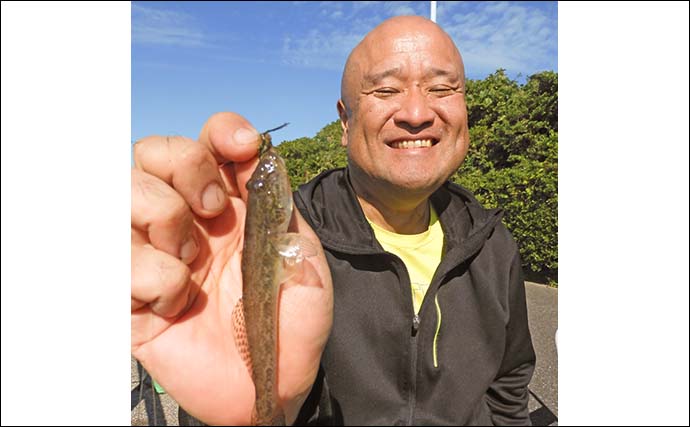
[508,396]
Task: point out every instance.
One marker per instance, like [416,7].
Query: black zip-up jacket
[466,359]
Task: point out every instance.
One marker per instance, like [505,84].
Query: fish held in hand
[270,257]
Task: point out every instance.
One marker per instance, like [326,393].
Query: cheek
[453,112]
[456,119]
[374,115]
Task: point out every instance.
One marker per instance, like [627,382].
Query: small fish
[268,250]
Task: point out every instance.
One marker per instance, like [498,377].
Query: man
[426,302]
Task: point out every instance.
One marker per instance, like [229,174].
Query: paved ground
[542,303]
[542,306]
[164,411]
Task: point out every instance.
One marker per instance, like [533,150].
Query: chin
[420,185]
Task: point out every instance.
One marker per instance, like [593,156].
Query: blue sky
[276,62]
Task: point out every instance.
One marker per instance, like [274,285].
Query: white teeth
[417,143]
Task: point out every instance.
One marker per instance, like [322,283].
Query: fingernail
[245,136]
[213,197]
[188,250]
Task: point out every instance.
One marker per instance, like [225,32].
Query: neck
[409,215]
[414,221]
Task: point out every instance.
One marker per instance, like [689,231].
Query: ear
[342,112]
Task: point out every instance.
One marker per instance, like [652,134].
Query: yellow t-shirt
[421,254]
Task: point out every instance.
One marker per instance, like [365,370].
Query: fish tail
[240,334]
[278,419]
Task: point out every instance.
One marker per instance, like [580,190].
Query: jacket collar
[330,206]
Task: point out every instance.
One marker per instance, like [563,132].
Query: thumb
[230,137]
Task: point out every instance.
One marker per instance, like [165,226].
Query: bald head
[397,36]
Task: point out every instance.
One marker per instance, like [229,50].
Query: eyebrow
[436,72]
[375,78]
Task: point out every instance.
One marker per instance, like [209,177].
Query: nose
[415,112]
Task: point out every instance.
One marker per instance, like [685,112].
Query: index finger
[234,143]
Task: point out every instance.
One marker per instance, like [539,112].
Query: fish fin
[240,334]
[293,249]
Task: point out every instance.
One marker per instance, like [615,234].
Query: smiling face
[403,109]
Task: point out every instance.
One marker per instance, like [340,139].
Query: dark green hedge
[513,162]
[305,158]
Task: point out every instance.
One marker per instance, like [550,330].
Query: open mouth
[413,143]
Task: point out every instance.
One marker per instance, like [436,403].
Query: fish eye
[255,184]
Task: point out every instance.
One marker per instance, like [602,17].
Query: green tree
[305,158]
[513,161]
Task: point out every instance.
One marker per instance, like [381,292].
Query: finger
[227,174]
[315,271]
[243,171]
[301,273]
[235,144]
[230,137]
[160,280]
[163,215]
[299,225]
[187,166]
[139,237]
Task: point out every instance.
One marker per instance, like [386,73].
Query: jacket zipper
[412,389]
[412,399]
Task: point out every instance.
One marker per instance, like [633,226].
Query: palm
[194,356]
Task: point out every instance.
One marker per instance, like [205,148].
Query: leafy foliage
[305,158]
[512,161]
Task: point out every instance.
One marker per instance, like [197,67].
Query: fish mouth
[412,143]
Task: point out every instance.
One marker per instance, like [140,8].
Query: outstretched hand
[188,210]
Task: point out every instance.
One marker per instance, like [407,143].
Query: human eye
[384,92]
[442,90]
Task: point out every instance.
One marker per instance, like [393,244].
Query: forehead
[404,50]
[409,43]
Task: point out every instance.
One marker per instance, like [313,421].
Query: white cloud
[497,7]
[164,27]
[327,8]
[398,9]
[359,5]
[328,43]
[518,37]
[319,49]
